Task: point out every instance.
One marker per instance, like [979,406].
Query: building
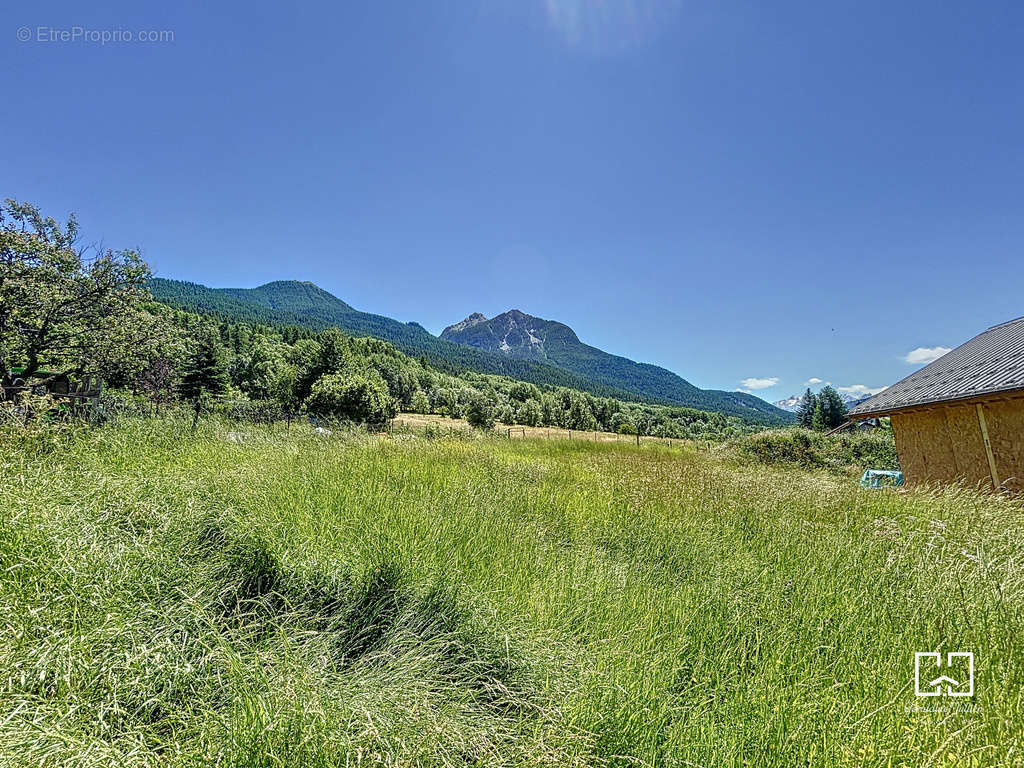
[962,416]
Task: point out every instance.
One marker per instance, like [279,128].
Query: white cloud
[753,382]
[859,390]
[925,355]
[812,381]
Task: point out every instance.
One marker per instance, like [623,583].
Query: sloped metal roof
[991,362]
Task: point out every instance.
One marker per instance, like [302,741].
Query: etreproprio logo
[931,678]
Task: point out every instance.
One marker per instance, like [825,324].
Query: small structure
[865,425]
[962,416]
[881,478]
[80,397]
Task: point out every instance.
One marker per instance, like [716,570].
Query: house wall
[1005,421]
[944,444]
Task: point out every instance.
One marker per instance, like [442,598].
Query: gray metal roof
[991,362]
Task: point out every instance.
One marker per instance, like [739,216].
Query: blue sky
[738,191]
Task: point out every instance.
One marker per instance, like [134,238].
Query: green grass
[294,600]
[847,453]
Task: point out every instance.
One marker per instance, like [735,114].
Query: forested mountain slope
[518,335]
[567,363]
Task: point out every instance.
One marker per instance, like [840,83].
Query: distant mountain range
[513,344]
[790,403]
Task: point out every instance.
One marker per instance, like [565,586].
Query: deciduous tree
[69,309]
[353,397]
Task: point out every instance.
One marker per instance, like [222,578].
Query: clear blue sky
[732,190]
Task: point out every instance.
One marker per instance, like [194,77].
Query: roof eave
[857,415]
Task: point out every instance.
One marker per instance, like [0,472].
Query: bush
[846,452]
[480,414]
[626,428]
[353,397]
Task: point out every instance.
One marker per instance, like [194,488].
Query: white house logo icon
[929,673]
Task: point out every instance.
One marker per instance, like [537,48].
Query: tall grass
[283,598]
[844,453]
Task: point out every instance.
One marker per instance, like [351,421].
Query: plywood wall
[945,444]
[1005,420]
[922,441]
[968,445]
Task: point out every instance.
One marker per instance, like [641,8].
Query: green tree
[480,413]
[530,413]
[205,371]
[283,390]
[257,371]
[833,409]
[420,402]
[354,397]
[504,413]
[805,409]
[818,417]
[521,391]
[68,309]
[330,354]
[577,411]
[551,410]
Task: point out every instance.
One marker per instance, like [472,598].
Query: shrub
[354,397]
[847,452]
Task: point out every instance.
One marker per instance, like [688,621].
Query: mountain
[790,403]
[851,401]
[303,304]
[518,335]
[565,361]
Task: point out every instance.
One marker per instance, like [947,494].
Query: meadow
[273,597]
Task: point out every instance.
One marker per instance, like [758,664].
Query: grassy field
[439,426]
[280,598]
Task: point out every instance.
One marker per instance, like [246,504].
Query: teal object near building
[881,478]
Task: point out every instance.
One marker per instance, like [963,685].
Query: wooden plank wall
[944,444]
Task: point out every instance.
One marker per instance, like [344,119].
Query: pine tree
[818,418]
[205,370]
[833,408]
[805,410]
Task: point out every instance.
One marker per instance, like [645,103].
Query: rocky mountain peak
[462,325]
